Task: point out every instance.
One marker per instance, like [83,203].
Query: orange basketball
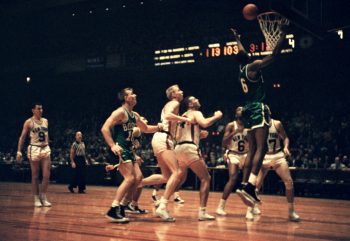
[250,11]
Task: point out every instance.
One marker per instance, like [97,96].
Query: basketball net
[270,24]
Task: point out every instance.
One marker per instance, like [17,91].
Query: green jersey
[253,89]
[122,134]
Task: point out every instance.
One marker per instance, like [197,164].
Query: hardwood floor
[81,217]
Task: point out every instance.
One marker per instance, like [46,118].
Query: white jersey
[39,133]
[273,140]
[238,143]
[168,126]
[187,132]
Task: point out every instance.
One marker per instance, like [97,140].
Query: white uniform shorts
[162,141]
[36,153]
[272,161]
[236,159]
[187,154]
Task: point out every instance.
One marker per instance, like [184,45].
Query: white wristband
[19,153]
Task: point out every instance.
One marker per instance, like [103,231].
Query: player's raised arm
[206,122]
[266,61]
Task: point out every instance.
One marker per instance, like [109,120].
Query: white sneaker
[221,211]
[156,203]
[164,214]
[249,215]
[37,202]
[203,216]
[256,211]
[45,202]
[293,216]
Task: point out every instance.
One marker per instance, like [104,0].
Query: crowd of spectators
[315,142]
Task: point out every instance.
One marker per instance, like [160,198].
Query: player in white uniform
[187,149]
[275,159]
[236,145]
[38,153]
[163,148]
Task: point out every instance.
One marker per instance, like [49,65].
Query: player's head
[192,102]
[78,136]
[37,109]
[174,92]
[238,112]
[127,95]
[243,58]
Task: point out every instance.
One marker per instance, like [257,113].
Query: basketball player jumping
[255,116]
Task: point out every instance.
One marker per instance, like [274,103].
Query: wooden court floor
[81,217]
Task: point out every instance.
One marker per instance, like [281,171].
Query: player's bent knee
[288,184]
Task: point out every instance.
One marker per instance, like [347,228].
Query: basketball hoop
[270,24]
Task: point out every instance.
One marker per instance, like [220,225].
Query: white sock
[36,197]
[252,179]
[154,193]
[291,207]
[222,203]
[115,203]
[163,203]
[133,203]
[176,194]
[202,209]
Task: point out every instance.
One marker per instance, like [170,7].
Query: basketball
[250,11]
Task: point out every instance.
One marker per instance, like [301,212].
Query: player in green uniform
[117,132]
[255,116]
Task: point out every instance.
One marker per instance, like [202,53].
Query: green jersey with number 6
[253,89]
[122,134]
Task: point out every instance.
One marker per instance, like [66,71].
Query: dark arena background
[74,56]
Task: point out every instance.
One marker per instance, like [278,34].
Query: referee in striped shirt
[78,164]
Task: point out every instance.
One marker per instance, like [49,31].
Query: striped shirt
[79,148]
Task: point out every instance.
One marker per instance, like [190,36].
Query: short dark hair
[187,101]
[243,57]
[34,104]
[122,94]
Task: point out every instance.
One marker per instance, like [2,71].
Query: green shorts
[255,115]
[126,156]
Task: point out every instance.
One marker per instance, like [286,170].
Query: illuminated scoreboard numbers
[216,50]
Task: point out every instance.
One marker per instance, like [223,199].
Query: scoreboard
[196,53]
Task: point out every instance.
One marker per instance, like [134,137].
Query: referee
[78,163]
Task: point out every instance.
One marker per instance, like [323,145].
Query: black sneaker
[122,210]
[128,208]
[114,214]
[70,188]
[139,210]
[249,191]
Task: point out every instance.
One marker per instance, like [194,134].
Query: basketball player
[163,149]
[254,116]
[275,159]
[131,198]
[187,149]
[236,145]
[38,153]
[117,132]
